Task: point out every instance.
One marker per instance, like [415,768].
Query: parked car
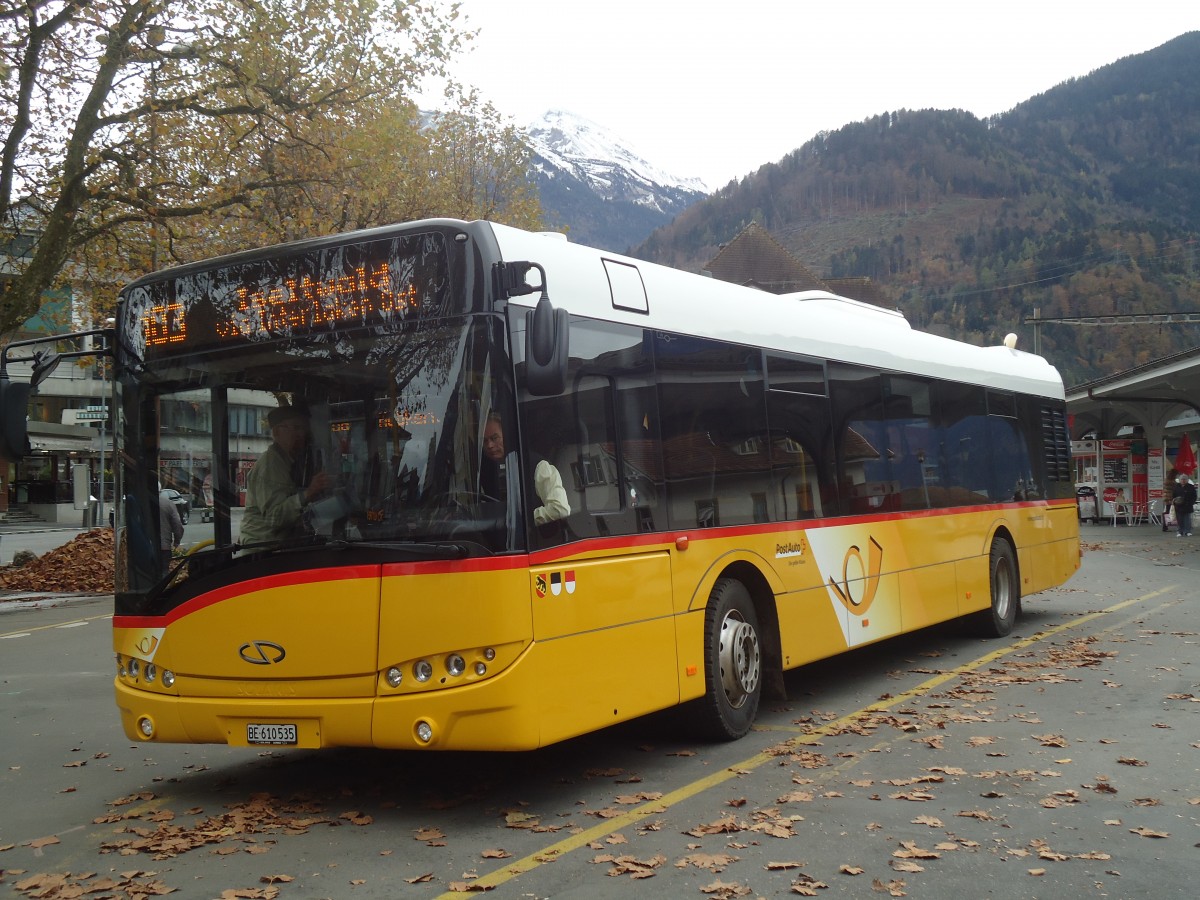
[182,504]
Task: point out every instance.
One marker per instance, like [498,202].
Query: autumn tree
[139,133]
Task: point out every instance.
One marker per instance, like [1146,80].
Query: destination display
[295,295]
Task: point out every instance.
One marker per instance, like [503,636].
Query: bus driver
[546,479]
[275,491]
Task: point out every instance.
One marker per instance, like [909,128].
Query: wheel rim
[1002,588]
[739,658]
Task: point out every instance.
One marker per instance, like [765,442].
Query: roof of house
[860,288]
[754,258]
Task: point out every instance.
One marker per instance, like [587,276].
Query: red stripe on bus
[659,540]
[297,578]
[667,538]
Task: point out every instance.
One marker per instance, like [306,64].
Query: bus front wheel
[733,663]
[998,619]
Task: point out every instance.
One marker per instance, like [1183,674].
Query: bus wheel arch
[741,652]
[1004,588]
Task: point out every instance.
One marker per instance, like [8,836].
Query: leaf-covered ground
[83,565]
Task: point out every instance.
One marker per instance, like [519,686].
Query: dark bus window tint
[1010,474]
[798,376]
[860,435]
[589,458]
[801,447]
[716,448]
[1002,403]
[639,456]
[911,450]
[1012,468]
[601,435]
[959,438]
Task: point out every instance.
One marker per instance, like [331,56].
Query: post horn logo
[262,653]
[147,644]
[868,586]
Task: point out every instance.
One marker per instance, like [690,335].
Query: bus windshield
[389,429]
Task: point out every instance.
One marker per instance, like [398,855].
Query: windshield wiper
[411,548]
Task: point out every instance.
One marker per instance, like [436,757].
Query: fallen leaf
[796,797]
[636,868]
[909,850]
[724,825]
[1050,740]
[724,891]
[807,886]
[979,814]
[519,820]
[1150,833]
[713,862]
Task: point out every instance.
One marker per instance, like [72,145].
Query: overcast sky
[713,90]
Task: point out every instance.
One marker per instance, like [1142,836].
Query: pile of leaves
[83,565]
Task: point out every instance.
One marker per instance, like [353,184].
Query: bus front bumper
[494,715]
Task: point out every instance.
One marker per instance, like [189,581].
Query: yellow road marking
[73,622]
[662,804]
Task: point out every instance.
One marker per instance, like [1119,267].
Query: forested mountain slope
[1081,201]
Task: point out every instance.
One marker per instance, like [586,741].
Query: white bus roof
[814,323]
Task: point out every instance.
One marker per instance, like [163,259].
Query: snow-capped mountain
[603,192]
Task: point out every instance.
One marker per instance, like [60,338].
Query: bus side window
[959,435]
[862,443]
[547,436]
[602,434]
[801,459]
[714,431]
[915,473]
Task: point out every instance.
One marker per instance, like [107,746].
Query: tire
[733,662]
[1005,588]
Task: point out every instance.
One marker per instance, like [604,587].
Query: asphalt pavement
[1061,761]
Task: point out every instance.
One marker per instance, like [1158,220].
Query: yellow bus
[476,488]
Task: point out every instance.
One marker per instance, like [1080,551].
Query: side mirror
[546,349]
[44,362]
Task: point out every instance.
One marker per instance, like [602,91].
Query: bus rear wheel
[733,662]
[1005,587]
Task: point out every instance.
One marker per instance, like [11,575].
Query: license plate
[270,734]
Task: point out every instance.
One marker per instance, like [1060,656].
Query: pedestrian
[1183,498]
[170,529]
